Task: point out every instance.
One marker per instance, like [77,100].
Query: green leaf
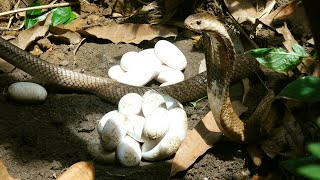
[306,89]
[293,164]
[36,11]
[61,15]
[73,17]
[311,171]
[314,149]
[299,50]
[279,59]
[30,22]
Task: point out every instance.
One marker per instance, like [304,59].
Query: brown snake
[222,69]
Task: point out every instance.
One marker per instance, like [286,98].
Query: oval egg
[27,92]
[129,152]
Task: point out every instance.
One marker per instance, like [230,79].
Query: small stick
[39,7]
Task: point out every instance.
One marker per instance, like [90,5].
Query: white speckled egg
[98,153]
[114,130]
[130,104]
[27,92]
[129,152]
[156,124]
[104,119]
[170,55]
[135,127]
[150,101]
[157,150]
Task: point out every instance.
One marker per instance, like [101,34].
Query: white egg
[156,124]
[115,72]
[150,60]
[130,61]
[170,55]
[130,104]
[104,119]
[98,153]
[114,130]
[168,74]
[129,152]
[150,101]
[27,92]
[135,127]
[138,77]
[170,143]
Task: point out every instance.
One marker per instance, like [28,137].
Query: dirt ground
[41,141]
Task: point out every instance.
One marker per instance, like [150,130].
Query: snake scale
[222,69]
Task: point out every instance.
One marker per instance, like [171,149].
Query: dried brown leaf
[26,37]
[242,10]
[201,138]
[5,66]
[4,175]
[65,35]
[288,37]
[131,33]
[79,171]
[292,12]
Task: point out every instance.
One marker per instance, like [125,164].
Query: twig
[75,51]
[39,7]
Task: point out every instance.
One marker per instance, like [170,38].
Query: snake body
[221,64]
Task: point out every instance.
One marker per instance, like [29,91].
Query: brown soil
[40,141]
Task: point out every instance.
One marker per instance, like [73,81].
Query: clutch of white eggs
[151,127]
[163,63]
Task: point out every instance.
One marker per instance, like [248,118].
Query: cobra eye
[198,22]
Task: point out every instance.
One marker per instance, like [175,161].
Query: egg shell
[156,124]
[104,119]
[135,127]
[129,152]
[130,61]
[150,60]
[170,143]
[170,55]
[115,72]
[130,104]
[168,74]
[138,77]
[114,130]
[27,92]
[171,102]
[98,153]
[150,101]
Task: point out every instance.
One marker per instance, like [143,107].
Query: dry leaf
[292,12]
[4,175]
[238,107]
[79,171]
[76,24]
[242,10]
[197,142]
[288,37]
[131,33]
[26,37]
[65,35]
